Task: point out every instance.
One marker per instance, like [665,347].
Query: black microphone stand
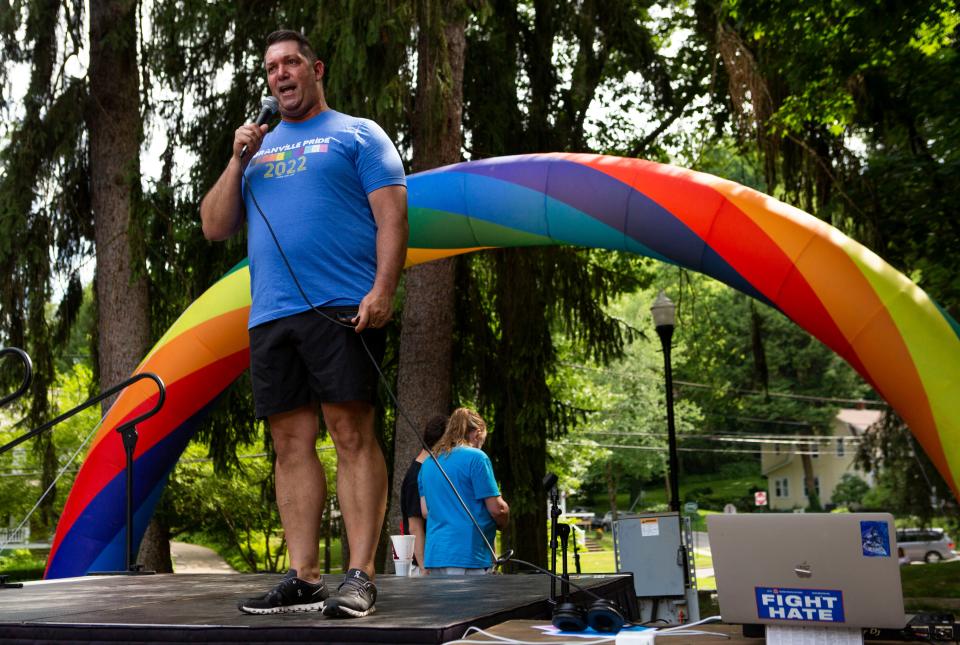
[576,553]
[550,483]
[563,530]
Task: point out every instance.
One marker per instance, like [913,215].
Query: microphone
[268,108]
[549,482]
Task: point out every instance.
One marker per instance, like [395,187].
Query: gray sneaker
[354,598]
[291,595]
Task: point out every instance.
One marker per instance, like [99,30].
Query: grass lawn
[727,489]
[707,583]
[597,562]
[702,559]
[941,580]
[699,520]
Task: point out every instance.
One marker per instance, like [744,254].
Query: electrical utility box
[653,548]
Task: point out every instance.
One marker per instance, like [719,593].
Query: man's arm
[222,210]
[389,206]
[499,510]
[418,528]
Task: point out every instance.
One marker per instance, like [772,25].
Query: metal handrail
[27,377]
[100,397]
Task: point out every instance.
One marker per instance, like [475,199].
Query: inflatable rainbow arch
[885,326]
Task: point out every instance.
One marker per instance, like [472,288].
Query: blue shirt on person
[452,540]
[312,178]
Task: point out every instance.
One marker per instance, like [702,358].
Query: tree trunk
[114,124]
[523,398]
[809,485]
[47,516]
[155,548]
[612,485]
[113,120]
[426,338]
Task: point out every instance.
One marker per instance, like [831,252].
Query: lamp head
[664,311]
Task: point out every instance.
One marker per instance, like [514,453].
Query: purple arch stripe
[619,206]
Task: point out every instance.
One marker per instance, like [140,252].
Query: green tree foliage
[744,351]
[624,436]
[236,511]
[850,491]
[21,481]
[853,112]
[45,221]
[907,482]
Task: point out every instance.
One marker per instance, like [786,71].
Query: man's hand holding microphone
[248,137]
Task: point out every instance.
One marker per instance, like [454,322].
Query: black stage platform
[202,608]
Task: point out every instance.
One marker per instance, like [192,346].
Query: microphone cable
[498,561]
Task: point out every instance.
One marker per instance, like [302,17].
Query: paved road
[701,544]
[701,541]
[193,558]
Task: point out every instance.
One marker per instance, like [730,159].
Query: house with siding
[832,457]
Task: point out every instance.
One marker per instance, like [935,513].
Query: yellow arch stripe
[230,293]
[419,256]
[934,349]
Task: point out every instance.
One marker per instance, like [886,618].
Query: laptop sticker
[818,605]
[875,539]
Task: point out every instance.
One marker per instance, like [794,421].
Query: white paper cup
[402,567]
[403,546]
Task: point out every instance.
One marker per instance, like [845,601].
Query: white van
[926,545]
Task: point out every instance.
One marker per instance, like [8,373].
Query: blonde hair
[462,422]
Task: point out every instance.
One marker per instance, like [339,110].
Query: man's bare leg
[361,478]
[301,487]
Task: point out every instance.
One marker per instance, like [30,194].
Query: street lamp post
[664,318]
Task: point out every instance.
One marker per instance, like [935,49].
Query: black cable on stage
[498,561]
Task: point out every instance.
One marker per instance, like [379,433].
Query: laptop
[835,570]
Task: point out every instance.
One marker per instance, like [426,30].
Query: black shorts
[306,357]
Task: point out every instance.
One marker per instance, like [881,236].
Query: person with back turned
[454,547]
[333,189]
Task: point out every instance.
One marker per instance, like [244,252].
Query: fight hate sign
[820,605]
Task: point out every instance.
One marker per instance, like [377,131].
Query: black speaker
[602,615]
[569,617]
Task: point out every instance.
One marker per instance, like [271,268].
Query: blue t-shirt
[452,540]
[312,178]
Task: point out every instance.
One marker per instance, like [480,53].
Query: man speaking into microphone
[324,199]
